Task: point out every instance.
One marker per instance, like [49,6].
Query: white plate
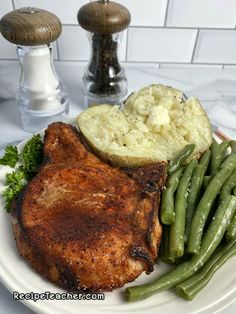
[17,275]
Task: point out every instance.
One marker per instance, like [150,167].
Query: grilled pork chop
[83,224]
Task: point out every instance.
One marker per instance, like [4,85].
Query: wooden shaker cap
[30,27]
[104,17]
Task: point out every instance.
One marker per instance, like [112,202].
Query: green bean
[229,161]
[167,199]
[195,189]
[231,231]
[233,146]
[182,259]
[230,188]
[223,148]
[218,153]
[206,181]
[206,202]
[192,286]
[215,157]
[229,185]
[164,250]
[210,242]
[183,156]
[178,226]
[205,159]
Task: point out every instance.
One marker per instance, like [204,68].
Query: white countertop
[216,89]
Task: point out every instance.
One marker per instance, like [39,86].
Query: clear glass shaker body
[104,78]
[41,97]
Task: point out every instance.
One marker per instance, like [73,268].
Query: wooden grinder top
[104,17]
[30,27]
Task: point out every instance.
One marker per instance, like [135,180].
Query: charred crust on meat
[67,278]
[139,253]
[151,177]
[83,224]
[46,159]
[153,212]
[16,210]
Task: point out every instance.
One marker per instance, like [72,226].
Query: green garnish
[10,157]
[30,159]
[15,181]
[32,156]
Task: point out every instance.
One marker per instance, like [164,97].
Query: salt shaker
[104,79]
[41,97]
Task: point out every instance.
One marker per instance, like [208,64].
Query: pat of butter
[157,117]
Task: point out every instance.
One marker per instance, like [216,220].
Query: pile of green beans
[195,192]
[206,202]
[192,286]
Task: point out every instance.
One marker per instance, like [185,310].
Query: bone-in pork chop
[83,224]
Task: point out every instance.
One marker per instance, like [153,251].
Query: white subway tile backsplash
[7,50]
[150,14]
[74,44]
[5,7]
[162,31]
[202,13]
[64,9]
[161,45]
[216,46]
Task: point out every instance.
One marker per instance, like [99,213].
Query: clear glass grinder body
[104,78]
[41,97]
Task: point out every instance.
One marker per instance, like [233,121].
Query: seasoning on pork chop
[83,224]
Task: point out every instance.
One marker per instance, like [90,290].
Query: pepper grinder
[104,80]
[41,97]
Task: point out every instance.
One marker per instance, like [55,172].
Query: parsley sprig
[10,157]
[15,181]
[29,161]
[32,156]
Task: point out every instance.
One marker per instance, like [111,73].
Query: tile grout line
[171,27]
[13,4]
[194,47]
[197,63]
[138,62]
[152,62]
[166,13]
[165,65]
[8,59]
